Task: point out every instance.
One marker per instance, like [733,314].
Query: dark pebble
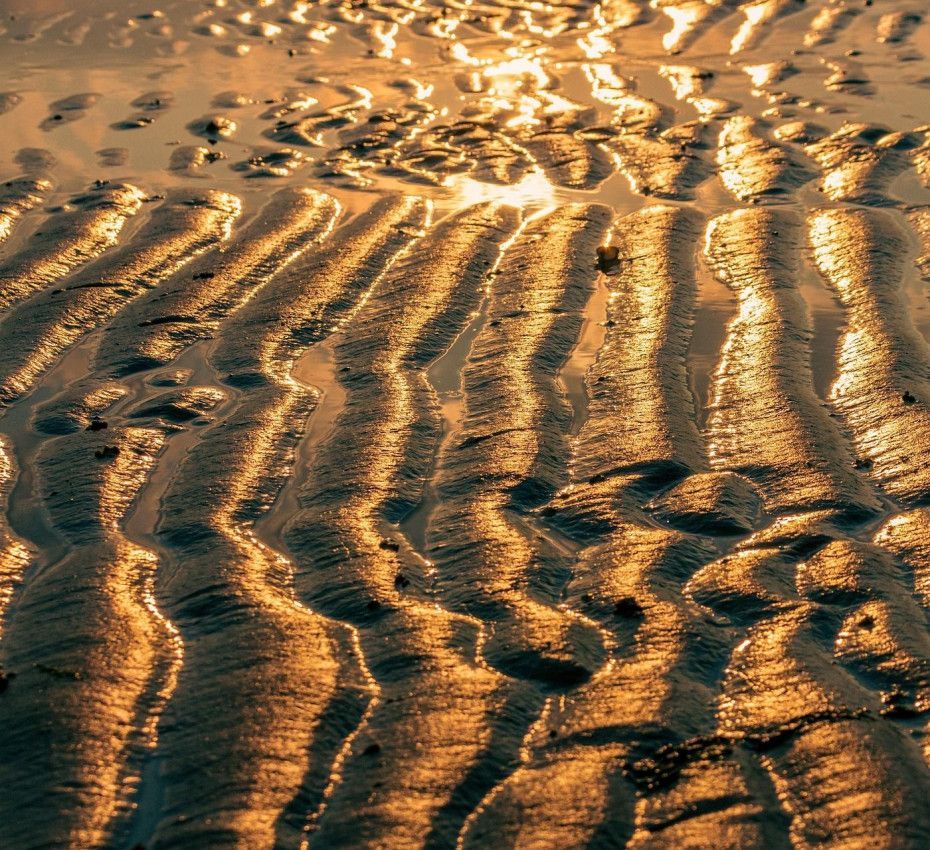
[627,607]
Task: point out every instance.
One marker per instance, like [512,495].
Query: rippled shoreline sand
[465,424]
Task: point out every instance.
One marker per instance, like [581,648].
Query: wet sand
[353,498]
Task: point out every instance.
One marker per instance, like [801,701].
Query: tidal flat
[465,425]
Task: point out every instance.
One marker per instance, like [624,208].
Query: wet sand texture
[465,425]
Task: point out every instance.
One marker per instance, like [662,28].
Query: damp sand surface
[465,424]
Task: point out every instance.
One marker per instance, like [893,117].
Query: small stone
[627,607]
[608,257]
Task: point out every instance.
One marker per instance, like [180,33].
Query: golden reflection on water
[505,95]
[534,191]
[684,19]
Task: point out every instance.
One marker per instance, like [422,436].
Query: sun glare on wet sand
[464,425]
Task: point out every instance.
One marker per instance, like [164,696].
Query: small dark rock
[107,452]
[908,397]
[400,581]
[608,257]
[627,607]
[96,424]
[372,750]
[389,545]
